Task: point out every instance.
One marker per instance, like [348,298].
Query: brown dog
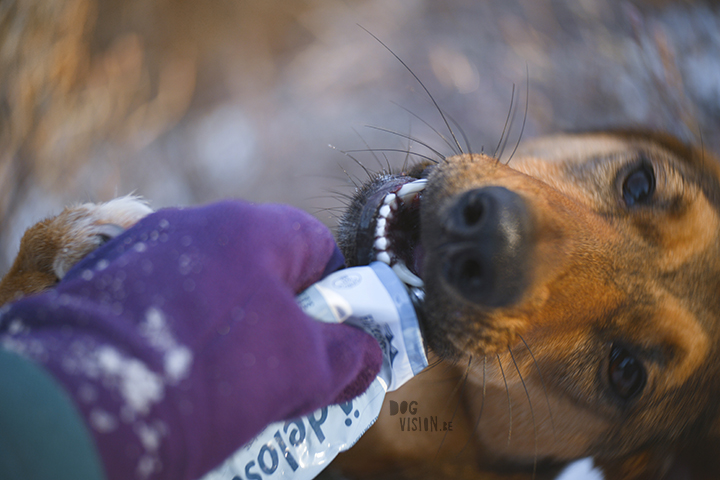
[572,295]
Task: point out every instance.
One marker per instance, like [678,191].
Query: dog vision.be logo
[411,421]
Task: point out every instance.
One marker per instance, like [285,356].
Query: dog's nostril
[471,273]
[473,212]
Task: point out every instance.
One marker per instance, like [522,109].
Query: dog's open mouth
[383,224]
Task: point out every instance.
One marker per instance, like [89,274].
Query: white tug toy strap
[371,298]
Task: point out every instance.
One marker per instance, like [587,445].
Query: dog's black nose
[487,234]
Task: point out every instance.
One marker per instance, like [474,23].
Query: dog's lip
[388,226]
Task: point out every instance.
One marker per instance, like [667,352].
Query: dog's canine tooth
[409,190]
[404,273]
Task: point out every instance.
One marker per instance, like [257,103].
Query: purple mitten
[181,339]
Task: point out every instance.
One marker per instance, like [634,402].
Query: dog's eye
[626,373]
[639,185]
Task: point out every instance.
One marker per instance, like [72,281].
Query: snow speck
[116,308]
[87,275]
[237,313]
[163,224]
[102,264]
[87,393]
[140,247]
[102,421]
[13,345]
[177,358]
[149,436]
[248,359]
[188,285]
[138,385]
[146,466]
[184,264]
[16,326]
[177,363]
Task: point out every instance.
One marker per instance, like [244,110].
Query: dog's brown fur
[51,247]
[533,383]
[526,385]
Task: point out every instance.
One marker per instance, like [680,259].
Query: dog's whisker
[458,385]
[437,107]
[367,171]
[409,137]
[334,212]
[462,133]
[482,407]
[532,412]
[527,103]
[334,195]
[432,365]
[443,137]
[507,389]
[360,164]
[409,145]
[349,177]
[542,382]
[408,152]
[507,119]
[513,109]
[377,159]
[462,384]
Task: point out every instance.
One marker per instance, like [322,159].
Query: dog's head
[583,278]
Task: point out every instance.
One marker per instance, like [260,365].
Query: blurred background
[185,102]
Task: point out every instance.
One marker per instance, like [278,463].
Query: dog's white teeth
[408,191]
[383,251]
[381,244]
[404,274]
[383,257]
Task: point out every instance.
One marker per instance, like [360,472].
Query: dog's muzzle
[485,246]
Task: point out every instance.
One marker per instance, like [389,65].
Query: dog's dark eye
[639,185]
[626,373]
